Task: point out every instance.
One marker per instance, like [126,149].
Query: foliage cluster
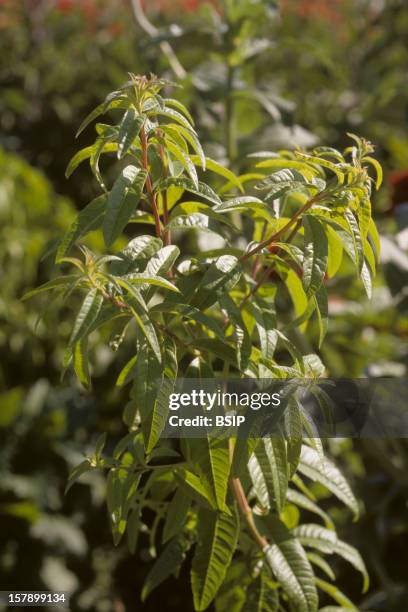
[217,312]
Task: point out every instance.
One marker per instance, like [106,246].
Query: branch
[284,229]
[143,22]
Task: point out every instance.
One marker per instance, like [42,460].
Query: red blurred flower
[329,11]
[175,5]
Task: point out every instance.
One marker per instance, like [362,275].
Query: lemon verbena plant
[187,306]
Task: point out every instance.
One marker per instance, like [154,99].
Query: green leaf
[337,595]
[189,312]
[211,459]
[322,309]
[161,262]
[296,291]
[180,107]
[176,514]
[197,220]
[283,182]
[270,454]
[335,251]
[377,166]
[321,469]
[295,497]
[290,565]
[184,159]
[197,488]
[108,104]
[242,338]
[88,220]
[81,364]
[142,278]
[220,277]
[167,564]
[136,253]
[154,382]
[202,190]
[316,254]
[175,115]
[129,128]
[87,315]
[119,208]
[262,595]
[337,169]
[56,283]
[145,325]
[321,564]
[94,151]
[77,472]
[216,167]
[217,540]
[244,204]
[128,372]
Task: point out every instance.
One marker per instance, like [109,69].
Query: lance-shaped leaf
[321,469]
[88,220]
[168,563]
[316,254]
[290,565]
[191,313]
[81,361]
[134,255]
[154,382]
[88,313]
[59,283]
[202,190]
[197,220]
[142,319]
[217,540]
[322,308]
[271,455]
[265,320]
[338,169]
[378,169]
[129,128]
[176,514]
[345,604]
[93,152]
[249,205]
[175,115]
[184,159]
[119,207]
[262,595]
[295,497]
[283,182]
[326,541]
[214,166]
[84,467]
[221,276]
[161,262]
[120,493]
[242,338]
[211,459]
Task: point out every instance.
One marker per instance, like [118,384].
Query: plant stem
[149,184]
[282,231]
[246,511]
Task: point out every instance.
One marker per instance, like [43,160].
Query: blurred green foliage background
[255,76]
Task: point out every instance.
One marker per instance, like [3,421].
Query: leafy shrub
[189,310]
